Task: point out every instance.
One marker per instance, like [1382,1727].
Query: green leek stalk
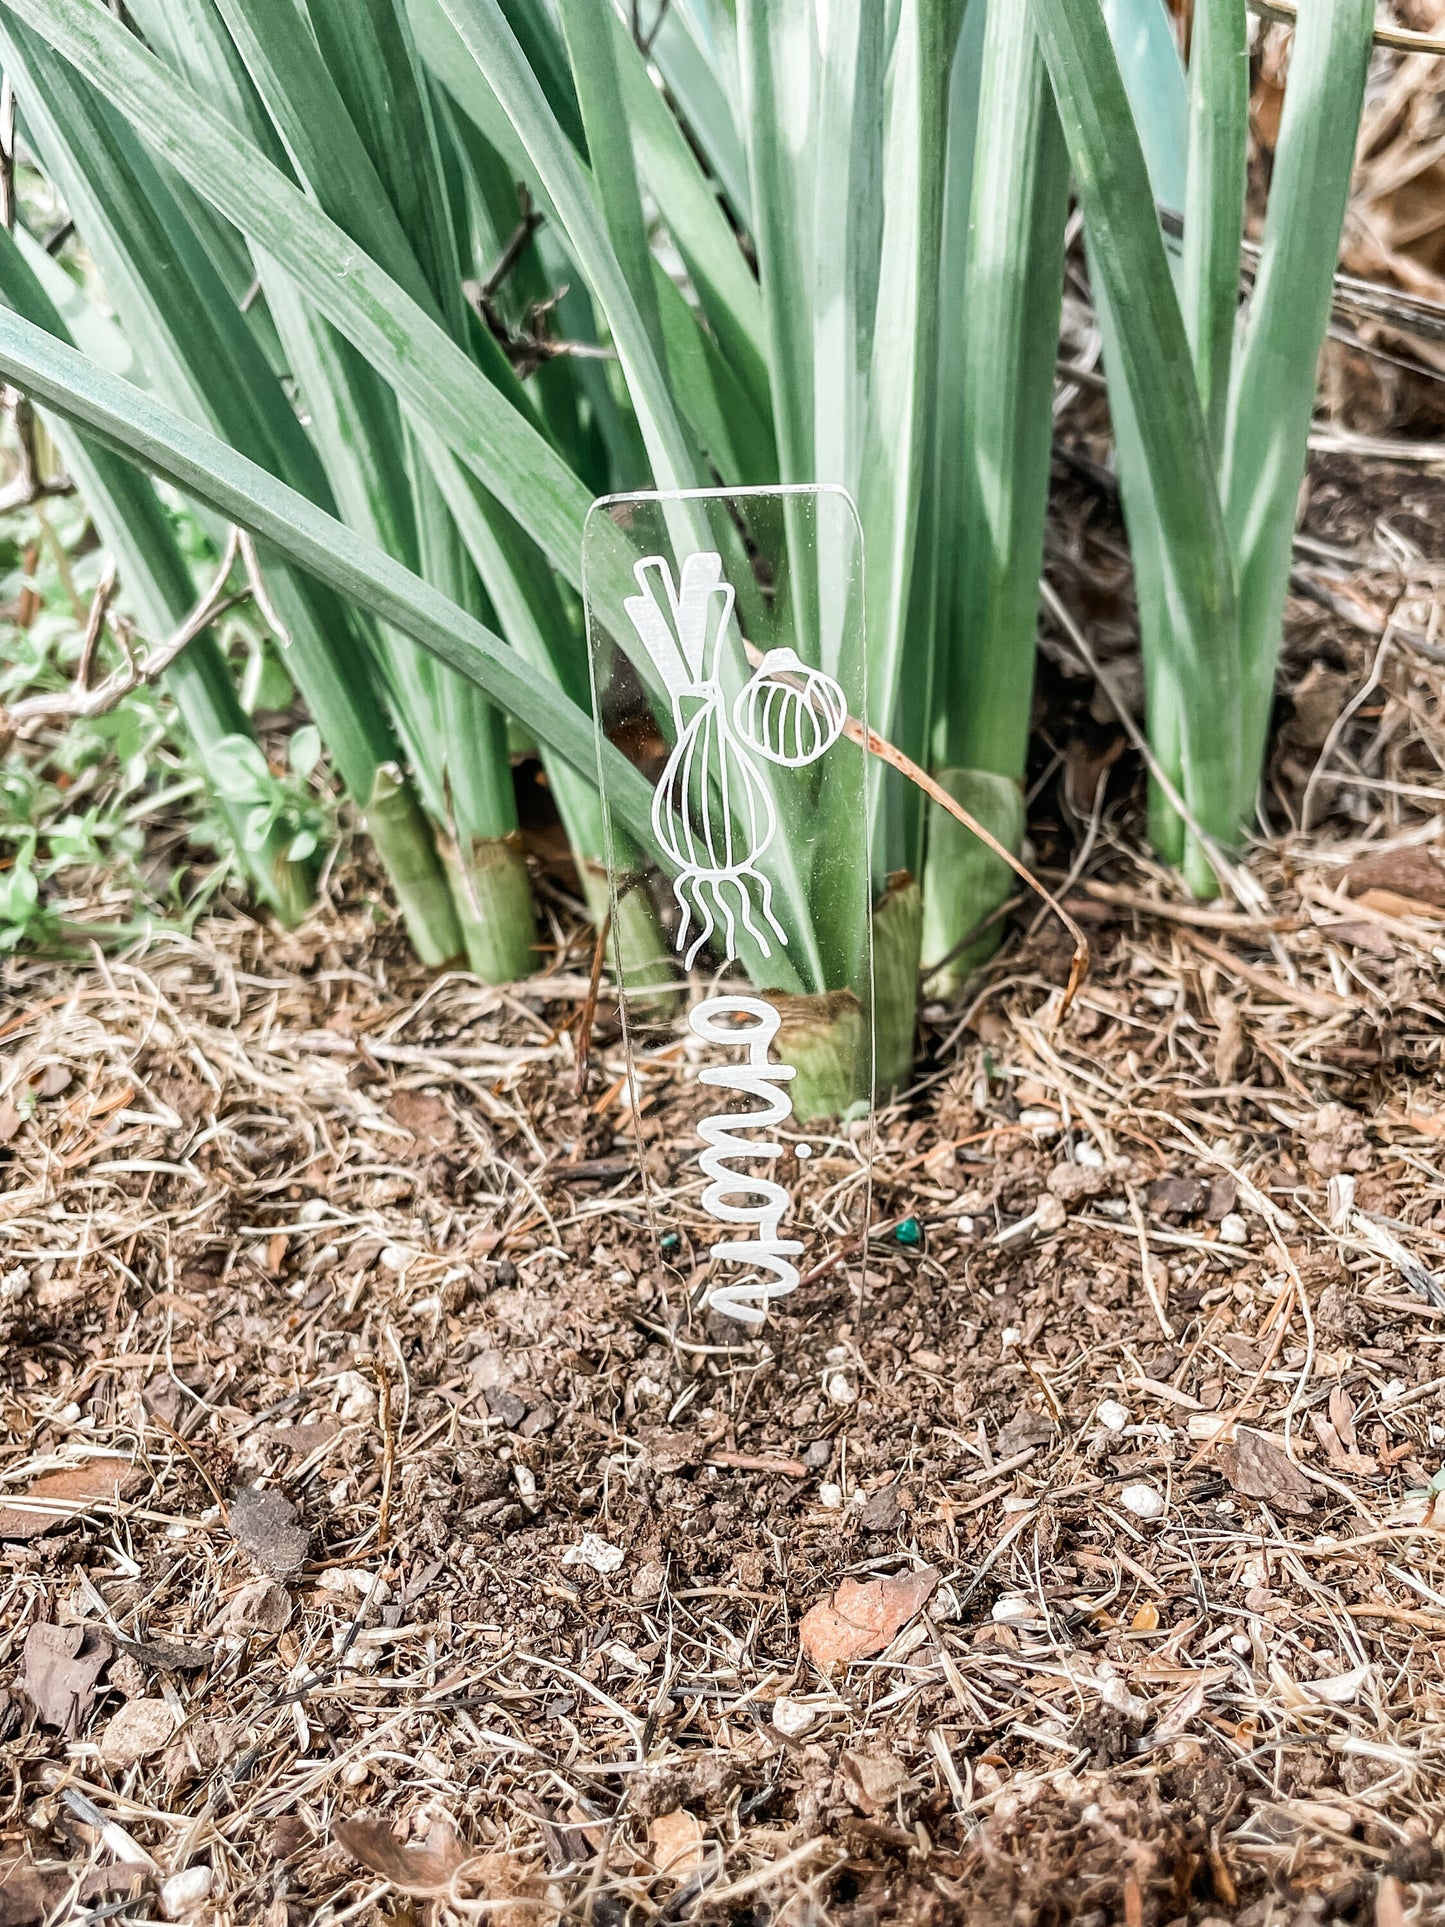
[1006,343]
[1211,521]
[156,579]
[196,345]
[357,128]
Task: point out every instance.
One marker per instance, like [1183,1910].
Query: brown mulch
[381,1522]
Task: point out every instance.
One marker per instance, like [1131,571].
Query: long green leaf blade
[1273,399]
[366,304]
[200,465]
[1147,351]
[1214,199]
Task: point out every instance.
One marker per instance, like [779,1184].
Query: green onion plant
[406,283]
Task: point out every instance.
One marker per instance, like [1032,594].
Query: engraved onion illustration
[788,712]
[713,812]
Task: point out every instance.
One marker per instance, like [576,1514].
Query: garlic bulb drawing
[788,712]
[713,811]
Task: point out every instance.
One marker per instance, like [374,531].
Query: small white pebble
[526,1483]
[1233,1229]
[840,1388]
[1049,1214]
[1240,1642]
[358,1394]
[393,1258]
[594,1551]
[830,1496]
[1112,1415]
[1288,1222]
[1011,1336]
[69,1414]
[184,1890]
[1164,998]
[965,1225]
[313,1211]
[1087,1152]
[1144,1501]
[356,1774]
[792,1717]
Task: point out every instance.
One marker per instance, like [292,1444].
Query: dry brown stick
[1319,1003]
[1198,915]
[95,624]
[1285,13]
[388,1449]
[588,1015]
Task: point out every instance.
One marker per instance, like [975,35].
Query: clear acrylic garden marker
[725,631]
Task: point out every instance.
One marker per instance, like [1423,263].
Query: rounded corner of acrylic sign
[760,860]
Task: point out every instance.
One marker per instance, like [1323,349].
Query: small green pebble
[910,1232]
[670,1240]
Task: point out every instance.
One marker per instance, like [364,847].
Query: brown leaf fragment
[871,1781]
[425,1116]
[265,1524]
[141,1728]
[62,1494]
[169,1655]
[427,1867]
[1260,1470]
[676,1840]
[863,1616]
[60,1669]
[1360,936]
[1405,873]
[26,1895]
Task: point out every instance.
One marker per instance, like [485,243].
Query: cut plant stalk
[1006,346]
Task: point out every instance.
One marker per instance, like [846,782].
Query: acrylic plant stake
[726,640]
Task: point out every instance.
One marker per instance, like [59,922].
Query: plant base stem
[493,896]
[897,935]
[823,1038]
[404,842]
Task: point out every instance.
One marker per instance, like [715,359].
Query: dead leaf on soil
[26,1896]
[1403,873]
[426,1868]
[62,1494]
[429,1868]
[1260,1470]
[863,1616]
[677,1843]
[61,1667]
[871,1781]
[268,1527]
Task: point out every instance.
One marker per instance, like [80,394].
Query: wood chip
[59,1673]
[61,1494]
[864,1616]
[1260,1470]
